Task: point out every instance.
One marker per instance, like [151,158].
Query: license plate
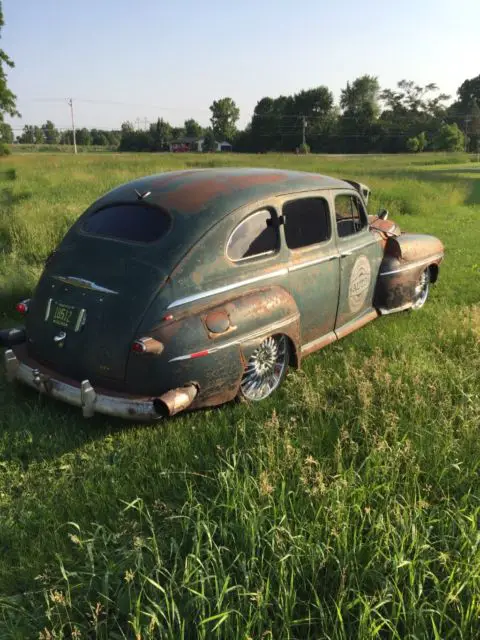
[65,315]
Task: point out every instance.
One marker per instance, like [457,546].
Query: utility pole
[70,102]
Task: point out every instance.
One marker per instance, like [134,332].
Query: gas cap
[217,321]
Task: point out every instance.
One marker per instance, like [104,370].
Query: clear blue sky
[183,54]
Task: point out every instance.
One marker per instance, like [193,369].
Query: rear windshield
[135,222]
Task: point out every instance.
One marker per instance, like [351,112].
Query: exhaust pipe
[175,400]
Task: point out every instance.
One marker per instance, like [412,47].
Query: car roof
[216,192]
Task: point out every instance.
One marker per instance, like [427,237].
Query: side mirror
[383,214]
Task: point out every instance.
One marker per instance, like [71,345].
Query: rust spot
[193,195]
[171,176]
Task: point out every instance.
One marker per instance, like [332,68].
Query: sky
[143,59]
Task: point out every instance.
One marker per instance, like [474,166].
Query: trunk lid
[96,292]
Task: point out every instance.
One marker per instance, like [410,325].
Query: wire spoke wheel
[265,369]
[421,290]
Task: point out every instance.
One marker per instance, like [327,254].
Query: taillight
[147,345]
[22,307]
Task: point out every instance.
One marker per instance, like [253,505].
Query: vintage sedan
[188,289]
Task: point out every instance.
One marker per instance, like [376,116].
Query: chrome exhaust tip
[175,400]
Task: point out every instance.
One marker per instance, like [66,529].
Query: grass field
[346,506]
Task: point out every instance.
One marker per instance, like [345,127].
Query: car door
[313,267]
[360,256]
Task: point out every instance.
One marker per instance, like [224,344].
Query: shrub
[4,149]
[449,138]
[413,145]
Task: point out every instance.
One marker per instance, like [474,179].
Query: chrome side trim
[273,274]
[84,284]
[227,287]
[412,265]
[249,336]
[310,263]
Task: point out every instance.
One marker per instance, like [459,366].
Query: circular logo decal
[359,283]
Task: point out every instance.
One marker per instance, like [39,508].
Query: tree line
[367,119]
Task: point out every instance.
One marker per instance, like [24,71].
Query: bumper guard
[83,395]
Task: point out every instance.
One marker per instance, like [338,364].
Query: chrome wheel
[421,290]
[265,369]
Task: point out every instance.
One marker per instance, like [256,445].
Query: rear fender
[210,344]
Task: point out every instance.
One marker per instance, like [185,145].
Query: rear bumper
[81,395]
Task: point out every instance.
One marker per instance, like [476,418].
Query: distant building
[187,143]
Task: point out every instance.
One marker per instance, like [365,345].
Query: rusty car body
[188,289]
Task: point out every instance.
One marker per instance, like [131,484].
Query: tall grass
[346,506]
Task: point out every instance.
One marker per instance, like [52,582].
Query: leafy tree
[83,137]
[160,134]
[473,126]
[409,110]
[99,138]
[66,137]
[359,102]
[31,135]
[193,129]
[209,141]
[449,138]
[7,98]
[28,135]
[467,92]
[113,137]
[410,98]
[39,135]
[50,133]
[225,114]
[177,132]
[6,133]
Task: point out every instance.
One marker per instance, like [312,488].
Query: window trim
[274,218]
[366,226]
[122,203]
[315,245]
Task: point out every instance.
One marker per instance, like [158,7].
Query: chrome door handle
[60,337]
[345,254]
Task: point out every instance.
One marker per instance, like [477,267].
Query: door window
[307,222]
[350,215]
[255,236]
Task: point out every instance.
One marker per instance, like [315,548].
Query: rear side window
[135,222]
[307,222]
[350,215]
[255,236]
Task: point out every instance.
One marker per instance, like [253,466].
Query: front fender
[405,258]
